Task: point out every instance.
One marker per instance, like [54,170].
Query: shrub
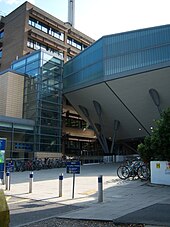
[157,146]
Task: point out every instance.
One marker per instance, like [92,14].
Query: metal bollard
[31,182]
[100,189]
[60,184]
[7,180]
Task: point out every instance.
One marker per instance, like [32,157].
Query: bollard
[100,189]
[60,184]
[4,210]
[31,182]
[7,180]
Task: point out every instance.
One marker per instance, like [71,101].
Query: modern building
[22,32]
[120,85]
[29,28]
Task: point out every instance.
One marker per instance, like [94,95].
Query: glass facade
[43,98]
[118,55]
[20,137]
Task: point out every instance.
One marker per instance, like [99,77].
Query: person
[4,211]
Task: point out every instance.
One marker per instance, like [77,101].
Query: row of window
[75,123]
[37,45]
[55,33]
[80,146]
[45,28]
[75,43]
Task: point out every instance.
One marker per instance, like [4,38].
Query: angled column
[86,114]
[155,98]
[98,109]
[115,128]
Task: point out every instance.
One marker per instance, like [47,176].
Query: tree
[157,146]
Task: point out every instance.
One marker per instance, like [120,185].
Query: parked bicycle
[38,164]
[133,169]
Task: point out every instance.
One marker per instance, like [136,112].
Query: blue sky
[97,17]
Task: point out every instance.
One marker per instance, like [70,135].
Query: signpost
[10,166]
[74,168]
[2,157]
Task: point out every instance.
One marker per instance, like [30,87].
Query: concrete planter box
[160,172]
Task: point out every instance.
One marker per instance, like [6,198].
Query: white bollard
[31,182]
[100,189]
[7,180]
[60,185]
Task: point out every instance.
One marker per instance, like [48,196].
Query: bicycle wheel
[143,172]
[123,172]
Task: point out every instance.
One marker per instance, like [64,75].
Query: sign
[73,167]
[2,144]
[10,166]
[158,165]
[167,170]
[2,156]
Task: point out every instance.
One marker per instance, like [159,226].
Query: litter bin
[4,210]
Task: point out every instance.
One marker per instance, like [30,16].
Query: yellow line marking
[8,198]
[19,201]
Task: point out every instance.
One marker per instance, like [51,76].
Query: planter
[160,172]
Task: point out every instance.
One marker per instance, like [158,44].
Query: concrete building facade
[28,29]
[11,93]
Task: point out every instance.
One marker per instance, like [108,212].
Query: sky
[97,18]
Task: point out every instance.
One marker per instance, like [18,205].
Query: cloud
[11,2]
[16,2]
[32,1]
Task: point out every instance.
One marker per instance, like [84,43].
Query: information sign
[2,144]
[73,167]
[10,166]
[2,156]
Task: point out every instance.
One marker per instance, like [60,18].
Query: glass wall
[85,67]
[118,55]
[20,139]
[136,50]
[43,98]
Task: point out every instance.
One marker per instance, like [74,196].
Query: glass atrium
[43,98]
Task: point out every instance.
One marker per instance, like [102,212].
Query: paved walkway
[123,201]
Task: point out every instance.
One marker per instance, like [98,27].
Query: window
[1,34]
[75,43]
[46,28]
[75,123]
[37,45]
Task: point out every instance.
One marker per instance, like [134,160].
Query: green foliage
[157,146]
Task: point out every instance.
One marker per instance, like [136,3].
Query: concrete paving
[123,201]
